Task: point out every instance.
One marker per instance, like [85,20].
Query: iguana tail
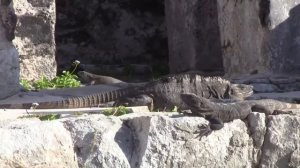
[92,100]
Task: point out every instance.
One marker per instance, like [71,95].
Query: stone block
[32,143]
[34,38]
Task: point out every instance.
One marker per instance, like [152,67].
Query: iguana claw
[203,130]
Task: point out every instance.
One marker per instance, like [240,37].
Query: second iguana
[217,113]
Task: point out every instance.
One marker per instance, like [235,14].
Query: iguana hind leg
[203,130]
[215,123]
[262,109]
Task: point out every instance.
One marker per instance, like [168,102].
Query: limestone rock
[281,146]
[257,127]
[34,38]
[32,143]
[100,141]
[172,142]
[145,140]
[295,159]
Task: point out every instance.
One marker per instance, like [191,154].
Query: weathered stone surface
[281,146]
[260,36]
[283,40]
[248,37]
[34,38]
[172,142]
[242,37]
[257,127]
[148,140]
[101,142]
[9,58]
[193,35]
[32,143]
[295,159]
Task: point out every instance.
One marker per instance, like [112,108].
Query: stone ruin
[230,37]
[213,36]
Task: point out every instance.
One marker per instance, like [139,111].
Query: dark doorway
[112,32]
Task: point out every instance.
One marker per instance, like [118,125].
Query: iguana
[165,92]
[137,100]
[217,113]
[94,79]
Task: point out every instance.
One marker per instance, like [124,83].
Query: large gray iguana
[165,92]
[217,113]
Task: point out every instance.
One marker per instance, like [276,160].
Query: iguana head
[239,91]
[85,77]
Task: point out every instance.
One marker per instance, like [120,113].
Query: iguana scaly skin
[165,92]
[217,113]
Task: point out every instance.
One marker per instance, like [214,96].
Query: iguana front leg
[202,108]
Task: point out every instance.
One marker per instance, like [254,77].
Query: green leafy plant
[26,84]
[117,111]
[175,109]
[43,83]
[49,117]
[65,80]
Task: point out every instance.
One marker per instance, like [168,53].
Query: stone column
[260,36]
[193,35]
[9,58]
[35,40]
[242,36]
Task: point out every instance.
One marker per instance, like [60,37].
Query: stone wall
[150,140]
[9,59]
[246,37]
[193,35]
[260,36]
[34,38]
